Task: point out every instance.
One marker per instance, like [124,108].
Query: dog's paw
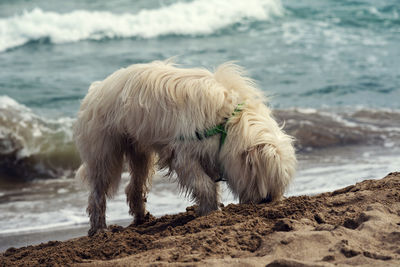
[143,219]
[266,200]
[94,231]
[201,211]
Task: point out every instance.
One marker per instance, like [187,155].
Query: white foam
[306,110]
[341,171]
[6,101]
[187,18]
[315,33]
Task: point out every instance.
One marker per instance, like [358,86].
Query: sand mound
[356,225]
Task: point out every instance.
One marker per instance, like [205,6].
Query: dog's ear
[260,164]
[252,154]
[249,158]
[252,160]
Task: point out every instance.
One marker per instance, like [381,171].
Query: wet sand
[356,225]
[28,238]
[35,238]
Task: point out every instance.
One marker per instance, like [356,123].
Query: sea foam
[199,17]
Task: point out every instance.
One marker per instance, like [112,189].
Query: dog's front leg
[193,179]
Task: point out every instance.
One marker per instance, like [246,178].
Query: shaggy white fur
[142,112]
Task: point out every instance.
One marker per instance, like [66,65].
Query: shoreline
[18,240]
[32,238]
[355,225]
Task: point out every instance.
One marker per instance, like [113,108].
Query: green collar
[219,129]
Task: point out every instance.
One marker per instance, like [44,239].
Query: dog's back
[168,102]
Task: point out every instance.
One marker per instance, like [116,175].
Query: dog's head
[266,175]
[262,170]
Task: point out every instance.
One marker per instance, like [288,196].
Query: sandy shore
[356,225]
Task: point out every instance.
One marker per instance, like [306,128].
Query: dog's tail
[234,77]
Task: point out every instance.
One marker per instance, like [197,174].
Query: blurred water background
[330,69]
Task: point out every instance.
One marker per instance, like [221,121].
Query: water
[330,68]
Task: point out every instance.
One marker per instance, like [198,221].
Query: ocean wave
[199,17]
[36,147]
[32,146]
[321,129]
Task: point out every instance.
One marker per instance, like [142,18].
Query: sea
[330,69]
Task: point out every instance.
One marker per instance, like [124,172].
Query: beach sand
[356,225]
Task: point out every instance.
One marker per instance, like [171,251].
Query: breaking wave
[32,146]
[199,17]
[314,128]
[36,147]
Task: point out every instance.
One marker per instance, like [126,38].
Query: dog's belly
[167,155]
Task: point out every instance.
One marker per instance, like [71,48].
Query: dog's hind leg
[141,165]
[194,180]
[103,173]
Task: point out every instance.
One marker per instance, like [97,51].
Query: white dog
[200,125]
